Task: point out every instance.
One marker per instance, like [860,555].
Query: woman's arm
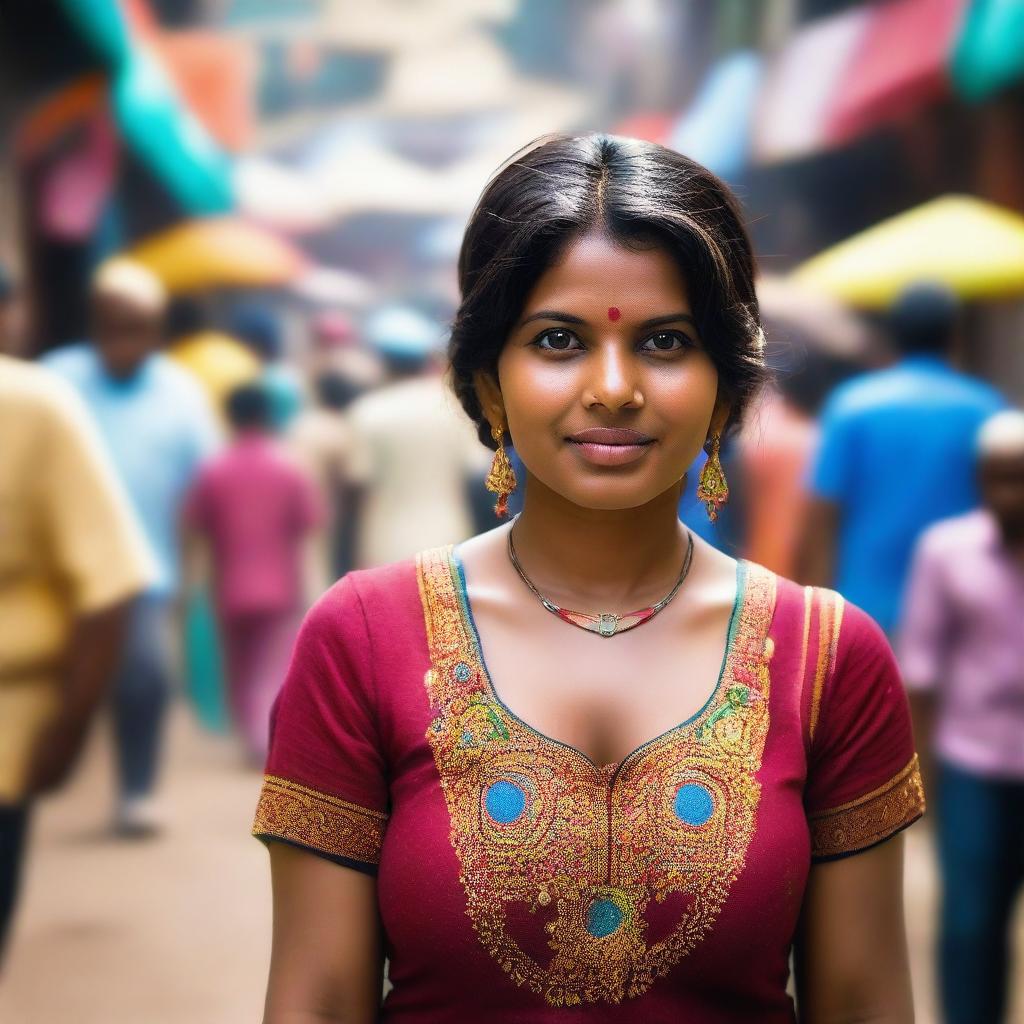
[326,964]
[851,960]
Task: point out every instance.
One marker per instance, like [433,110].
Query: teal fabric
[204,668]
[989,55]
[155,124]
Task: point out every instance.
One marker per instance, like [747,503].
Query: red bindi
[613,313]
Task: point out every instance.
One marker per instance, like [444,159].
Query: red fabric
[255,507]
[899,66]
[354,723]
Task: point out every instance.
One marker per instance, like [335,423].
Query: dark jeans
[980,833]
[13,829]
[141,687]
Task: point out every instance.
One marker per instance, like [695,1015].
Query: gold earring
[501,480]
[712,487]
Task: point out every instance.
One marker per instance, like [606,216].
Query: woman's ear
[488,394]
[719,415]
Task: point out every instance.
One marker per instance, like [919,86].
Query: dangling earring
[712,487]
[501,480]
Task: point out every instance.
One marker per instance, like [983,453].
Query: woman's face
[606,341]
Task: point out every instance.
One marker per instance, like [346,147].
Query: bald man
[962,653]
[158,427]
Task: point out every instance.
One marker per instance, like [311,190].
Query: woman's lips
[609,454]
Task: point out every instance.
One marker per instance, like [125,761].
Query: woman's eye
[665,341]
[560,341]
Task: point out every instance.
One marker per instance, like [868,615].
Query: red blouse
[518,881]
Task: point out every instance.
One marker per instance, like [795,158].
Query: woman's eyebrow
[570,318]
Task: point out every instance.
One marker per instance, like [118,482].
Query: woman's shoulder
[378,597]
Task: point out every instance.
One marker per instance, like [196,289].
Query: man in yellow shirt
[71,557]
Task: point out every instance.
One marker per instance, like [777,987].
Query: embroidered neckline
[611,770]
[534,823]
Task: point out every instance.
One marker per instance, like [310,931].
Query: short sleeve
[863,778]
[832,468]
[325,787]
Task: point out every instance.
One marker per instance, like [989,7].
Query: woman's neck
[613,557]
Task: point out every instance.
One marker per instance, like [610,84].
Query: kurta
[517,880]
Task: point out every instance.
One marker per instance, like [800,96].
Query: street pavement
[176,930]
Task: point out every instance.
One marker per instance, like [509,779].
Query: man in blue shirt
[158,427]
[896,454]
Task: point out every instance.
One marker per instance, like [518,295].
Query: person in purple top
[961,648]
[258,516]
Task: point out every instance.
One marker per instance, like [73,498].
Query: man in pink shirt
[258,515]
[962,654]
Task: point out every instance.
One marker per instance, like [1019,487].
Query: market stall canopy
[974,247]
[899,65]
[158,127]
[220,252]
[800,83]
[989,54]
[850,73]
[715,130]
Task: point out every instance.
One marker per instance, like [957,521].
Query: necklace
[605,623]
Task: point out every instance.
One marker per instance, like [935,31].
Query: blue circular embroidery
[462,672]
[694,804]
[603,918]
[505,802]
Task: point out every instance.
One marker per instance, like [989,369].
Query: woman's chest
[587,883]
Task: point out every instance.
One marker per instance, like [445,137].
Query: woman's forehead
[597,269]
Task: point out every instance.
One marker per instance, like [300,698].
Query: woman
[623,815]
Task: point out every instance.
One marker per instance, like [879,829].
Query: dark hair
[185,316]
[255,325]
[248,406]
[336,391]
[923,318]
[640,194]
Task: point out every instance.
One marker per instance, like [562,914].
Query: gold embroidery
[830,620]
[870,818]
[587,849]
[805,636]
[290,811]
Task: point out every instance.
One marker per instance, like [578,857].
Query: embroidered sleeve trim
[870,818]
[319,821]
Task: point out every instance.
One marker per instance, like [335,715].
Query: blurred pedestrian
[776,447]
[158,426]
[258,514]
[256,326]
[962,655]
[336,347]
[321,439]
[895,455]
[411,440]
[71,557]
[218,361]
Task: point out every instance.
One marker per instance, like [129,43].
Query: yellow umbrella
[974,247]
[219,362]
[219,252]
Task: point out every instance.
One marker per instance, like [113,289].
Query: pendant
[608,624]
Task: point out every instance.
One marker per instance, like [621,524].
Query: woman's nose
[614,381]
